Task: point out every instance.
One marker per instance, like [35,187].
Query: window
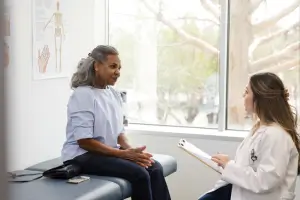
[172,57]
[169,54]
[264,36]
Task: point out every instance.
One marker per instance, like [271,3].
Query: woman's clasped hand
[138,156]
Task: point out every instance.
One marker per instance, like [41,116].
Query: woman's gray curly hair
[85,74]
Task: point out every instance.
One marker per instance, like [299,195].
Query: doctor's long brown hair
[270,99]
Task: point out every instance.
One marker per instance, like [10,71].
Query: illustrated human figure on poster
[43,59]
[59,35]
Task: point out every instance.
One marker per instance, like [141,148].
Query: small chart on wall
[50,34]
[7,33]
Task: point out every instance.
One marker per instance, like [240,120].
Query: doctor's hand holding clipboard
[266,163]
[221,159]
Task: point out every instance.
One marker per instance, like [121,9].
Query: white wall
[37,108]
[192,178]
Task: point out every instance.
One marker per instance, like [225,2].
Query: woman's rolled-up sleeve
[81,113]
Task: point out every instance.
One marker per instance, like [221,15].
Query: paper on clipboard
[199,154]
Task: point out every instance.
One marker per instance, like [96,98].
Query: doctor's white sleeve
[273,163]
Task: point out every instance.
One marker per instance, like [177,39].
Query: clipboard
[199,155]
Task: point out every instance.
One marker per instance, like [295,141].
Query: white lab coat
[272,176]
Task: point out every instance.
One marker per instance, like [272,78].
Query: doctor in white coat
[266,163]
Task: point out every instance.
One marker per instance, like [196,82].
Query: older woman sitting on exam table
[267,161]
[95,129]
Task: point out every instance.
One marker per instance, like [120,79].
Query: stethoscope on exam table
[253,156]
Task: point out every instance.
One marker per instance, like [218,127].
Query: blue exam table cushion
[168,163]
[50,189]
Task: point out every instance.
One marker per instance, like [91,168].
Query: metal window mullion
[223,65]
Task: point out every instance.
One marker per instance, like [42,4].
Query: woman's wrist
[120,153]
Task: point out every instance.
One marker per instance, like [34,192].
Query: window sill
[185,132]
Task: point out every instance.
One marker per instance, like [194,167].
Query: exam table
[97,188]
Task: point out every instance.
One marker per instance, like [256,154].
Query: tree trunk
[192,109]
[239,41]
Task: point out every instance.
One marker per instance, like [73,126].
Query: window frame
[223,73]
[223,64]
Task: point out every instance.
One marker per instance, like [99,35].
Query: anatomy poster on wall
[50,55]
